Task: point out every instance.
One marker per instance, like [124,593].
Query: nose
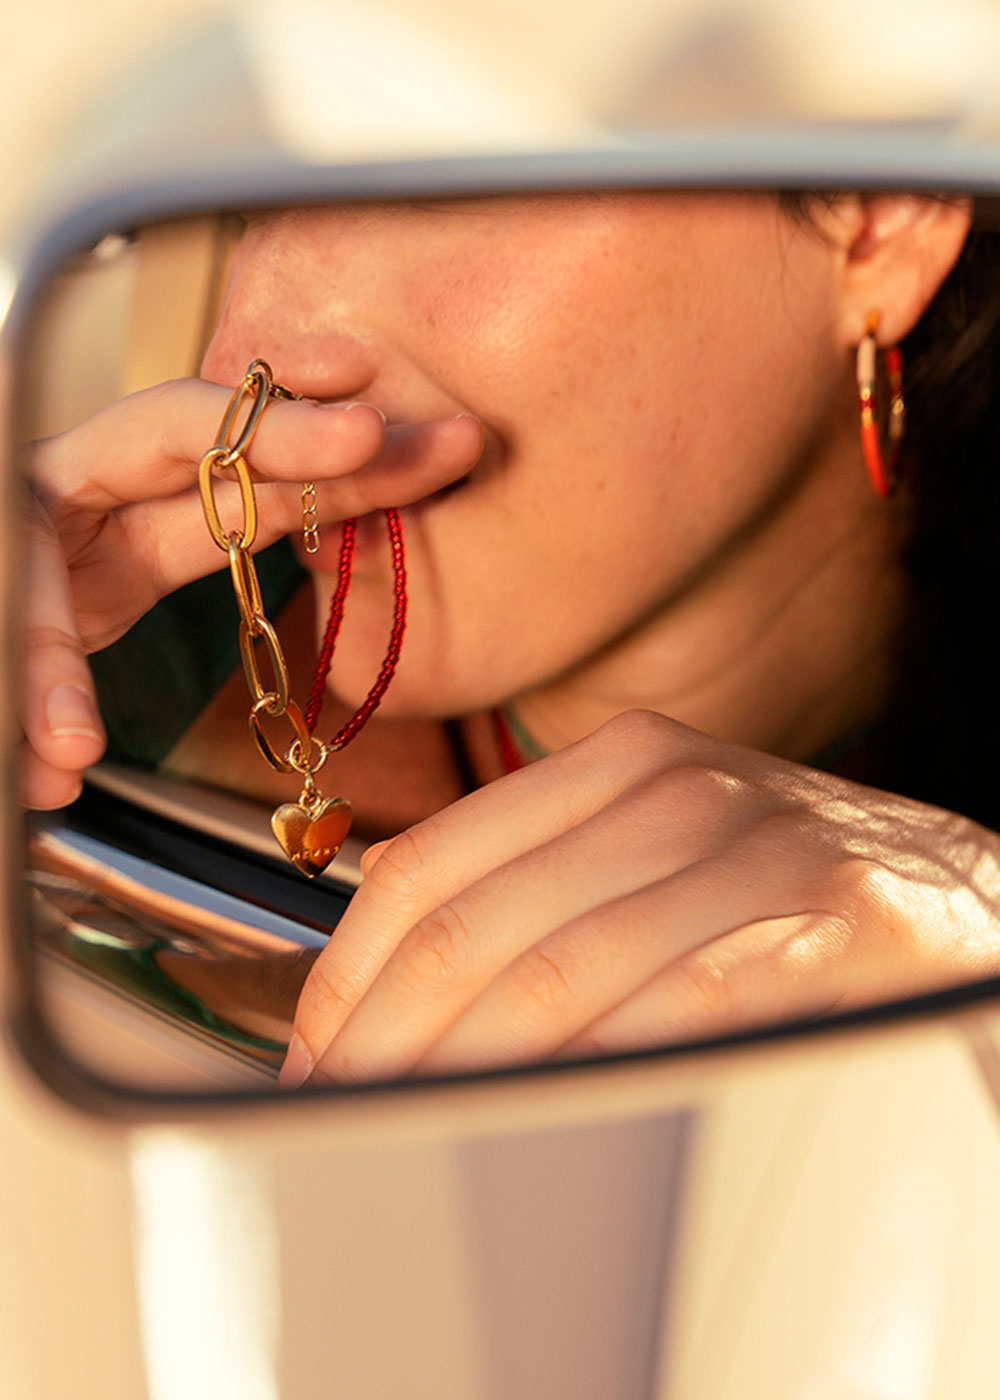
[279,307]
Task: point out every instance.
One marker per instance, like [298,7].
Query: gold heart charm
[311,839]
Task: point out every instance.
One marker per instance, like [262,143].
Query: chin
[434,681]
[401,701]
[416,692]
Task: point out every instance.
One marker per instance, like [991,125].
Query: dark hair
[937,740]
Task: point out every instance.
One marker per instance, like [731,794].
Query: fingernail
[357,403]
[67,801]
[369,857]
[71,714]
[298,1064]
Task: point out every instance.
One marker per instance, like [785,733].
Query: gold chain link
[212,458]
[257,381]
[302,743]
[310,518]
[246,586]
[305,754]
[279,690]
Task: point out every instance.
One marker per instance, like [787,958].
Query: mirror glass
[669,575]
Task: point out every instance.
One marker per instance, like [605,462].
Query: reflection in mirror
[672,513]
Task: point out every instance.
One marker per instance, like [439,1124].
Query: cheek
[522,325]
[630,358]
[639,411]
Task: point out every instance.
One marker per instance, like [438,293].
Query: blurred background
[553,67]
[56,55]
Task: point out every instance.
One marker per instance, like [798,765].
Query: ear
[895,251]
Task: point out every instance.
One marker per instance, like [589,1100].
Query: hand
[648,884]
[115,522]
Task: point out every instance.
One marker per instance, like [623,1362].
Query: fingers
[148,446]
[145,446]
[42,787]
[516,983]
[637,963]
[489,952]
[117,522]
[150,548]
[120,489]
[426,867]
[646,886]
[59,714]
[415,460]
[445,909]
[768,971]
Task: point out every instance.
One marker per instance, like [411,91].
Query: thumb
[58,706]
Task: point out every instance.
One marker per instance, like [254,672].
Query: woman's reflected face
[653,372]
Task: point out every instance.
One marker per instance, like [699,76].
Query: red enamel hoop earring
[881,471]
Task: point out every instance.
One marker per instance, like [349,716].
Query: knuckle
[544,981]
[163,407]
[338,1067]
[38,638]
[291,973]
[826,940]
[156,555]
[774,848]
[705,783]
[635,731]
[591,1044]
[436,950]
[699,797]
[701,996]
[353,495]
[866,913]
[781,833]
[861,888]
[399,874]
[684,761]
[37,506]
[329,992]
[43,788]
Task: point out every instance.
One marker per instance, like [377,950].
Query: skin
[661,532]
[640,315]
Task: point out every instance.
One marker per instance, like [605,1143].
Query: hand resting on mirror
[645,885]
